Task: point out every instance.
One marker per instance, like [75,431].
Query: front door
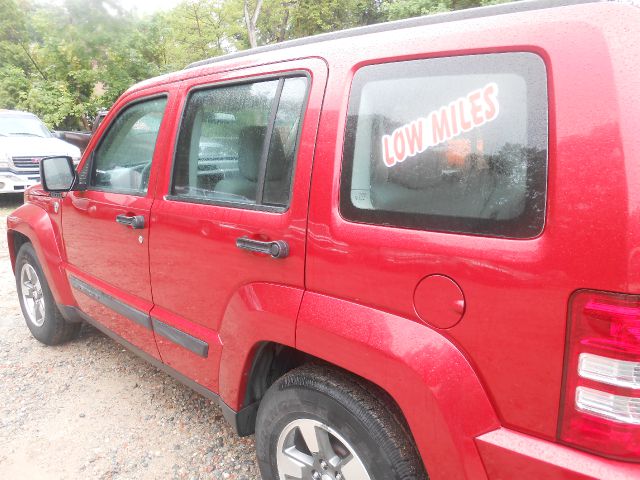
[233,219]
[105,227]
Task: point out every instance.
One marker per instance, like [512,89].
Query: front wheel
[319,423]
[43,318]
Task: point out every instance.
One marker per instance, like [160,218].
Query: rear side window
[454,144]
[238,143]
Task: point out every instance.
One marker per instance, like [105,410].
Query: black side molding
[133,314]
[191,343]
[185,340]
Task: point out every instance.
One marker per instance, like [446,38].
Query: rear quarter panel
[513,331]
[431,381]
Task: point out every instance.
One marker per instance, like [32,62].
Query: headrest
[250,149]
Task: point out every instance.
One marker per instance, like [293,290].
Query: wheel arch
[258,338]
[269,361]
[15,240]
[429,378]
[32,224]
[426,376]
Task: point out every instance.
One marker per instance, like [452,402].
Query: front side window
[454,144]
[237,143]
[122,161]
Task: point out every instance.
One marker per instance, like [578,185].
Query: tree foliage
[65,60]
[414,8]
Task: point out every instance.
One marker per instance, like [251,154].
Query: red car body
[484,397]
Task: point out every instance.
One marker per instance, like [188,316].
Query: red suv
[400,249]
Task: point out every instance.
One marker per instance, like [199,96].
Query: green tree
[52,101]
[251,15]
[64,61]
[198,29]
[398,9]
[13,84]
[282,20]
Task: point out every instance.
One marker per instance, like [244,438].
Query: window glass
[22,126]
[122,161]
[284,140]
[452,144]
[221,142]
[237,143]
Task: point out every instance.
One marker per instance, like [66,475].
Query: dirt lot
[91,410]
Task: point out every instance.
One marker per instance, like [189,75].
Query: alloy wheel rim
[32,295]
[310,450]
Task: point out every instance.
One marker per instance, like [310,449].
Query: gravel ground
[90,409]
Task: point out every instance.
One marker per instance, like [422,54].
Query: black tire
[354,409]
[54,329]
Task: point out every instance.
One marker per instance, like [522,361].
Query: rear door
[235,209]
[106,226]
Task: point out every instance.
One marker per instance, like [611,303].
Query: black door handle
[277,249]
[134,221]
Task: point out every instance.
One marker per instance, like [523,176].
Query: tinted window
[284,141]
[122,161]
[453,144]
[237,143]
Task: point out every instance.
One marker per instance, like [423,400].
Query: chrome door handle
[277,249]
[135,221]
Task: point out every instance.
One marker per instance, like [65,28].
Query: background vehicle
[81,139]
[24,141]
[413,248]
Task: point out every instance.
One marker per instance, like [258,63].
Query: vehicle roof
[478,12]
[15,113]
[328,43]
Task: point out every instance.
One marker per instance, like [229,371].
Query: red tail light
[601,404]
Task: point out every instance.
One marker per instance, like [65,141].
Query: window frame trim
[122,110]
[377,218]
[281,76]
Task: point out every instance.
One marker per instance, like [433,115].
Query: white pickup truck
[24,141]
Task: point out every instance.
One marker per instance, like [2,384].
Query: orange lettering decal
[440,126]
[399,146]
[444,124]
[454,112]
[489,95]
[476,109]
[413,134]
[466,124]
[389,160]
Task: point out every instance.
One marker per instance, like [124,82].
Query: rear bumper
[507,455]
[11,183]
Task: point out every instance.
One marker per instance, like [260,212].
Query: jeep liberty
[393,252]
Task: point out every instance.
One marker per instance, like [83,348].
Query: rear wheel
[319,423]
[308,448]
[43,318]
